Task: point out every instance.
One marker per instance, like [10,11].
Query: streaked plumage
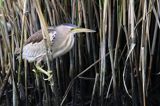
[61,37]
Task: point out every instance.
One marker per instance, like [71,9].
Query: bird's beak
[79,30]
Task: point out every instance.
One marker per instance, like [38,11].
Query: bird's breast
[62,46]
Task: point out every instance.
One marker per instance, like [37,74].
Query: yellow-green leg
[48,73]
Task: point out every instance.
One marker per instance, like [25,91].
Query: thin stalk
[110,48]
[53,81]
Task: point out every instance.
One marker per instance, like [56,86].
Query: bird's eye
[72,29]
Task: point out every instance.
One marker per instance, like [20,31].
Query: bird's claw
[49,77]
[34,71]
[48,73]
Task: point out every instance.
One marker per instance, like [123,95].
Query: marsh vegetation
[118,65]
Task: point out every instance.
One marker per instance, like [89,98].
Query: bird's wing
[34,51]
[37,36]
[34,47]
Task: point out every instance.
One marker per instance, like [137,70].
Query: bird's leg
[48,73]
[39,69]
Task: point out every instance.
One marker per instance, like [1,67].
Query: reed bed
[119,65]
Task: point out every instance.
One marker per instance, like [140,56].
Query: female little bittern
[61,40]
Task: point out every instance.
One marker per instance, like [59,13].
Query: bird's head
[70,29]
[65,39]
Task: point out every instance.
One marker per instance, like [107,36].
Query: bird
[61,41]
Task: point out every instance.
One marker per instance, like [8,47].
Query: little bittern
[61,40]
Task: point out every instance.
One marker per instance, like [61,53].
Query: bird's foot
[48,73]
